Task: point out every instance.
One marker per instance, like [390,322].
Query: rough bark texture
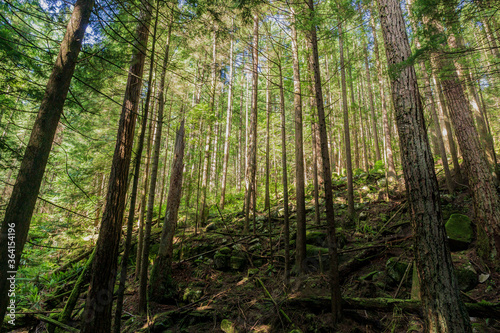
[443,309]
[97,314]
[481,182]
[162,286]
[372,107]
[19,211]
[330,214]
[300,251]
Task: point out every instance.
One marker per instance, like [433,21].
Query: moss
[227,326]
[237,263]
[312,251]
[225,250]
[459,227]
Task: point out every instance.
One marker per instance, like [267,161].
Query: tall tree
[17,218]
[330,214]
[443,308]
[300,250]
[252,134]
[97,313]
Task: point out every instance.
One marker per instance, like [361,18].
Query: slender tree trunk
[354,116]
[165,162]
[391,170]
[229,115]
[162,287]
[252,135]
[19,211]
[285,177]
[443,114]
[300,250]
[362,122]
[443,308]
[330,214]
[267,200]
[97,314]
[143,280]
[347,138]
[372,107]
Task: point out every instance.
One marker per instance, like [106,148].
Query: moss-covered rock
[237,262]
[317,238]
[395,269]
[312,251]
[221,261]
[227,326]
[459,231]
[467,279]
[192,294]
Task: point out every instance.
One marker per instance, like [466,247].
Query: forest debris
[320,303]
[71,262]
[278,308]
[56,323]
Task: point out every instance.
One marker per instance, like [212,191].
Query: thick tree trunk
[330,214]
[97,314]
[162,287]
[299,155]
[481,182]
[443,308]
[19,211]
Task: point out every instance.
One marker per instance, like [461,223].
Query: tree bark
[229,115]
[17,218]
[97,314]
[162,286]
[481,183]
[330,214]
[443,308]
[252,135]
[300,249]
[347,137]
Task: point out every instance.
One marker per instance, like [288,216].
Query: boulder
[467,278]
[395,269]
[459,231]
[221,261]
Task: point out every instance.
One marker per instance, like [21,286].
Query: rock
[227,327]
[364,189]
[382,182]
[221,261]
[211,227]
[192,295]
[237,262]
[483,277]
[312,251]
[459,231]
[252,271]
[255,247]
[225,250]
[467,279]
[396,269]
[363,216]
[317,238]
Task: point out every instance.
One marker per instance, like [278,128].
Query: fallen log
[56,323]
[318,303]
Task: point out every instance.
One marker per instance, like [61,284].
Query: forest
[249,166]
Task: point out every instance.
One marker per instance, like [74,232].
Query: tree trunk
[372,107]
[299,155]
[97,314]
[143,280]
[330,214]
[162,287]
[391,170]
[347,138]
[443,308]
[19,211]
[267,199]
[252,135]
[229,115]
[481,183]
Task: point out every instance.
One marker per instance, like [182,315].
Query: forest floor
[231,282]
